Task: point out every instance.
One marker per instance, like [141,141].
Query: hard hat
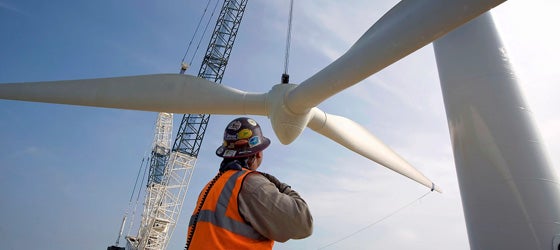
[242,138]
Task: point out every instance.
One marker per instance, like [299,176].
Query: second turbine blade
[356,138]
[407,27]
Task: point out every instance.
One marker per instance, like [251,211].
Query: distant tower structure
[164,192]
[171,168]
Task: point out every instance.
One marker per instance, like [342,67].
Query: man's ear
[259,154]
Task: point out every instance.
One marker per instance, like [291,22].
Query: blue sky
[67,171]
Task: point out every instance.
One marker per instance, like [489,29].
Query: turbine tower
[509,189]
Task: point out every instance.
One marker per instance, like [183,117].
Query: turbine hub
[286,125]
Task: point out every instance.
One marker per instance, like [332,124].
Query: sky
[68,171]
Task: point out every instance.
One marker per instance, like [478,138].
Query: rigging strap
[285,76]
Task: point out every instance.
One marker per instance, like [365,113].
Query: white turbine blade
[172,93]
[407,27]
[356,138]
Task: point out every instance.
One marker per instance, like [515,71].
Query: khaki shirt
[277,216]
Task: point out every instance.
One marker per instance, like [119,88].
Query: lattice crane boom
[171,168]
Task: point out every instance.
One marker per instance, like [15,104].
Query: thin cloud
[37,152]
[13,9]
[317,21]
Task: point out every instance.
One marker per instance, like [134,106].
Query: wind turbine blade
[172,93]
[407,27]
[356,138]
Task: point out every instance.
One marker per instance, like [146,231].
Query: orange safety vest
[218,224]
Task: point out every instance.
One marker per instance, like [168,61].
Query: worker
[242,208]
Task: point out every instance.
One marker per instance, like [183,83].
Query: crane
[171,168]
[486,144]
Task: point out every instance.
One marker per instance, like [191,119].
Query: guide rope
[376,222]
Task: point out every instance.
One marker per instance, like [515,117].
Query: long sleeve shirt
[277,216]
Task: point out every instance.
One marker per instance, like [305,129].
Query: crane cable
[184,65]
[377,221]
[285,75]
[143,165]
[135,190]
[129,203]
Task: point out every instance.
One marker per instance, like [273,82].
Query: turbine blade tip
[436,188]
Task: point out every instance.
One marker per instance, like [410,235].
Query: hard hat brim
[224,152]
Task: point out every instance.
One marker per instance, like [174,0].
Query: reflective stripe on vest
[219,218]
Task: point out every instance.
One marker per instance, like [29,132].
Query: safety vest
[219,225]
